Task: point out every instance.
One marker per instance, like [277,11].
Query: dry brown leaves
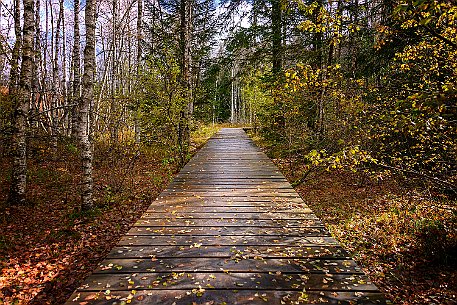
[48,247]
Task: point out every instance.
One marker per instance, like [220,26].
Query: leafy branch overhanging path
[229,230]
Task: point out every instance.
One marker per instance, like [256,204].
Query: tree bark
[318,36]
[185,35]
[86,100]
[66,100]
[113,107]
[56,83]
[76,70]
[14,72]
[139,28]
[36,80]
[232,95]
[22,102]
[276,24]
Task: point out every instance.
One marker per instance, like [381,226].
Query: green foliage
[162,101]
[81,214]
[436,238]
[318,108]
[396,113]
[255,94]
[349,158]
[412,124]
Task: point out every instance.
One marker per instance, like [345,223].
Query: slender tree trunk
[353,37]
[190,83]
[65,118]
[114,109]
[276,23]
[22,102]
[185,33]
[139,28]
[319,64]
[45,55]
[232,96]
[56,83]
[76,71]
[36,82]
[14,72]
[86,101]
[317,37]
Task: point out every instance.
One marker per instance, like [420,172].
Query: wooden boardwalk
[229,230]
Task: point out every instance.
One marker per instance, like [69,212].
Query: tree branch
[439,36]
[431,178]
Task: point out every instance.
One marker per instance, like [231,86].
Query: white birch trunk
[86,101]
[22,102]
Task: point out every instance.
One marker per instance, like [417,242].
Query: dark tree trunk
[276,24]
[185,39]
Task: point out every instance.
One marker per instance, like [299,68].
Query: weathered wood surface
[229,230]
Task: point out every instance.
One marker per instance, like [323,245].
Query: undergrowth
[49,246]
[403,235]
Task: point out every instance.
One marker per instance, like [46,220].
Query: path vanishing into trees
[230,229]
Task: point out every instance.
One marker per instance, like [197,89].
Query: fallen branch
[302,179]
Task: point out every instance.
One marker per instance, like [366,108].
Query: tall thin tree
[185,39]
[84,108]
[14,71]
[276,32]
[139,28]
[75,70]
[21,107]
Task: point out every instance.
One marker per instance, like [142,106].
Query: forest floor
[48,246]
[403,237]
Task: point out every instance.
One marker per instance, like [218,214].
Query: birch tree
[21,107]
[14,71]
[75,70]
[84,108]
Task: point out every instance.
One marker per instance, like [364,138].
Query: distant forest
[346,83]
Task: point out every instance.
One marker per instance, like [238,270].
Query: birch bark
[84,108]
[22,102]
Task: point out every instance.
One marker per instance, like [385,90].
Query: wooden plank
[224,200]
[178,264]
[270,251]
[226,209]
[232,297]
[198,222]
[230,215]
[220,240]
[232,280]
[229,229]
